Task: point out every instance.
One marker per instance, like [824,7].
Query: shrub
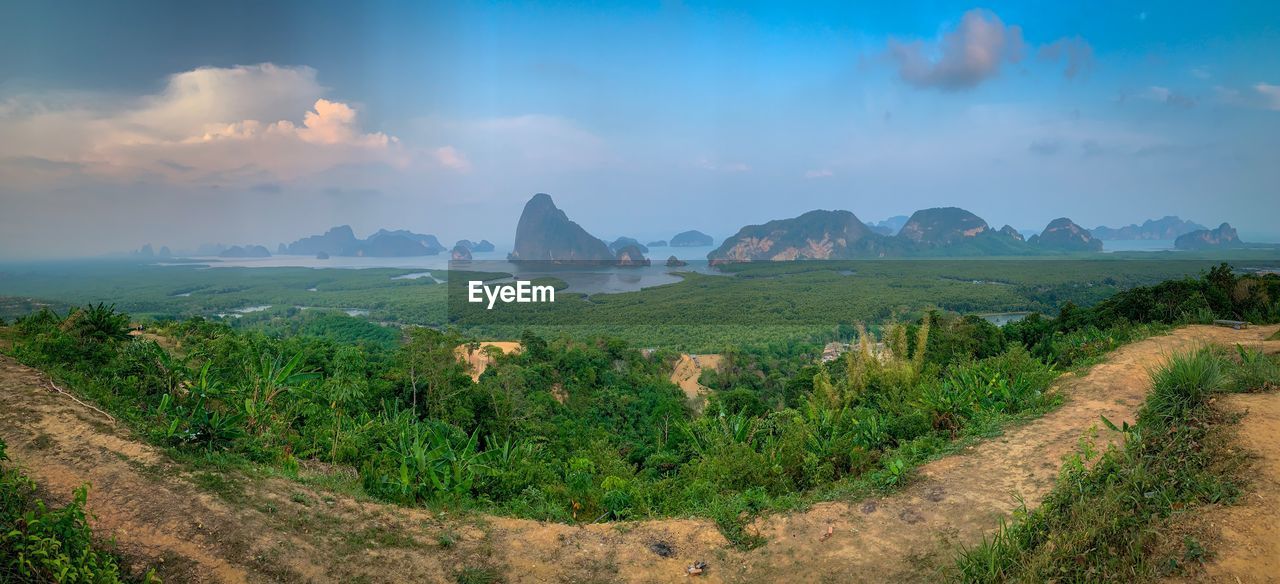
[1254,371]
[1102,520]
[39,544]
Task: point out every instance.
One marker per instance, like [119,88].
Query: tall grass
[1254,371]
[1103,519]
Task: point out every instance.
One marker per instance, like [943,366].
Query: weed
[1101,521]
[478,575]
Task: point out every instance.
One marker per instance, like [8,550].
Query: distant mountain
[482,246]
[545,233]
[942,226]
[675,262]
[248,251]
[460,252]
[334,242]
[813,235]
[889,226]
[630,255]
[691,238]
[1062,234]
[1168,227]
[622,242]
[342,241]
[937,232]
[1224,236]
[395,244]
[429,242]
[210,249]
[658,243]
[1011,232]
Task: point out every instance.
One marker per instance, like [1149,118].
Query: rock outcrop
[942,226]
[1062,234]
[814,235]
[247,251]
[1223,237]
[342,241]
[1168,227]
[630,256]
[1009,231]
[332,242]
[546,234]
[890,226]
[691,238]
[481,246]
[622,242]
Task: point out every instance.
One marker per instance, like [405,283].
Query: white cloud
[1168,97]
[962,58]
[818,173]
[1270,94]
[206,126]
[449,157]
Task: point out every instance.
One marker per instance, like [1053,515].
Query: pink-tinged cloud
[449,157]
[1270,95]
[207,126]
[962,58]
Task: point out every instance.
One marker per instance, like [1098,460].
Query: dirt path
[1246,543]
[686,372]
[478,358]
[270,529]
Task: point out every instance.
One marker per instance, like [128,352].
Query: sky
[180,123]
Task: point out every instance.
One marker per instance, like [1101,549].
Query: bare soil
[478,358]
[686,372]
[1245,541]
[202,526]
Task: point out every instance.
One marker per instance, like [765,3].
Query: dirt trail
[478,358]
[269,529]
[688,369]
[1247,544]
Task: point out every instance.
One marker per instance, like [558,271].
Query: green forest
[758,303]
[586,430]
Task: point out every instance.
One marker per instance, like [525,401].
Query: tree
[431,370]
[347,387]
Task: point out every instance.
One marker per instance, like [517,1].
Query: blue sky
[205,120]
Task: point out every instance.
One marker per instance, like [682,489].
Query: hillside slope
[206,526]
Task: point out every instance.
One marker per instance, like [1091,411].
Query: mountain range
[1168,227]
[1223,236]
[940,231]
[342,241]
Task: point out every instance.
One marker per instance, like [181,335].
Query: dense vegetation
[746,304]
[580,431]
[1108,517]
[42,544]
